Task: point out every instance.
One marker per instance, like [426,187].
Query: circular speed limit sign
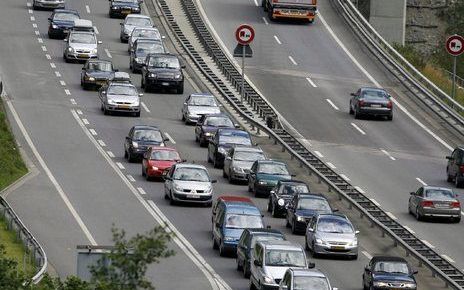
[455,45]
[245,34]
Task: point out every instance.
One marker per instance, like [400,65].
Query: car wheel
[222,251]
[203,142]
[252,286]
[390,117]
[105,111]
[287,223]
[274,212]
[457,182]
[356,114]
[143,172]
[249,187]
[246,271]
[125,154]
[294,230]
[354,257]
[270,13]
[239,267]
[166,196]
[230,178]
[137,114]
[351,110]
[269,206]
[130,158]
[255,192]
[142,83]
[418,215]
[306,244]
[263,4]
[215,163]
[457,220]
[171,200]
[209,158]
[180,90]
[449,178]
[215,245]
[183,119]
[313,251]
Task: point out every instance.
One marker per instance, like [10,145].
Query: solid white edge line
[421,181]
[141,190]
[108,53]
[332,104]
[145,107]
[359,129]
[393,217]
[409,229]
[345,177]
[375,202]
[331,165]
[93,132]
[359,189]
[50,175]
[170,138]
[311,82]
[428,244]
[292,60]
[448,258]
[277,39]
[319,154]
[368,256]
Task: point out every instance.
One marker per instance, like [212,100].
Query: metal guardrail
[413,246]
[459,80]
[35,249]
[430,94]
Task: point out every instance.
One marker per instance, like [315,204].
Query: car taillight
[461,169]
[455,204]
[362,103]
[389,104]
[275,1]
[427,203]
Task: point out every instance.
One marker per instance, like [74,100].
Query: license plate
[441,205]
[100,83]
[337,247]
[376,106]
[124,106]
[126,11]
[82,55]
[193,196]
[165,84]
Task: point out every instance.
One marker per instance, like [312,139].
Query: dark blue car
[384,272]
[60,22]
[222,141]
[122,8]
[303,207]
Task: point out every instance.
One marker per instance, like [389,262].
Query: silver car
[239,160]
[120,97]
[80,46]
[271,259]
[188,183]
[130,22]
[48,4]
[142,32]
[432,201]
[296,279]
[199,104]
[332,234]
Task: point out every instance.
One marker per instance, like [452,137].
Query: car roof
[82,32]
[280,244]
[264,231]
[146,39]
[145,127]
[372,89]
[307,272]
[190,165]
[120,83]
[161,54]
[98,60]
[145,28]
[236,198]
[162,148]
[217,115]
[242,208]
[220,130]
[247,148]
[334,215]
[291,182]
[379,258]
[137,16]
[269,161]
[201,95]
[436,187]
[72,11]
[311,195]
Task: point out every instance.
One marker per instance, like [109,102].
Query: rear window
[258,238]
[439,194]
[374,94]
[241,221]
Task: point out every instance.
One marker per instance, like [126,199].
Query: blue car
[229,222]
[384,272]
[60,22]
[303,207]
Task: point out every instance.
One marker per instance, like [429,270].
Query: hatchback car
[282,194]
[162,71]
[139,139]
[120,97]
[302,208]
[60,22]
[142,32]
[231,218]
[434,202]
[96,73]
[386,272]
[188,183]
[80,46]
[227,198]
[198,104]
[157,159]
[208,124]
[121,8]
[310,279]
[143,47]
[264,175]
[130,22]
[271,259]
[372,102]
[455,167]
[247,243]
[48,4]
[332,234]
[223,140]
[238,162]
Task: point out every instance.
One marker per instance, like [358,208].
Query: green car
[265,174]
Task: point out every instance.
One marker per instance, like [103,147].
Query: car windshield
[164,62]
[65,16]
[100,66]
[257,238]
[310,283]
[219,122]
[334,225]
[85,38]
[391,267]
[241,221]
[138,21]
[293,188]
[122,90]
[148,135]
[273,168]
[149,47]
[318,204]
[439,194]
[164,155]
[248,156]
[125,1]
[191,174]
[285,258]
[148,33]
[374,94]
[202,101]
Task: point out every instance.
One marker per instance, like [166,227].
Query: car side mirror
[367,269]
[257,263]
[292,175]
[335,210]
[103,92]
[449,157]
[185,104]
[83,68]
[228,158]
[49,19]
[272,192]
[356,232]
[166,139]
[412,193]
[65,40]
[237,126]
[183,66]
[284,287]
[163,37]
[99,42]
[414,272]
[121,23]
[214,181]
[310,230]
[353,94]
[140,94]
[116,70]
[311,265]
[389,96]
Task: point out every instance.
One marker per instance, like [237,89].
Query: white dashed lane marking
[85,121]
[277,39]
[359,129]
[131,178]
[73,101]
[79,112]
[48,56]
[359,189]
[57,73]
[102,144]
[391,215]
[108,53]
[93,132]
[409,229]
[32,18]
[170,138]
[332,104]
[142,192]
[319,154]
[30,11]
[447,258]
[52,65]
[62,83]
[34,25]
[331,165]
[388,154]
[428,244]
[421,181]
[145,107]
[311,82]
[29,4]
[265,21]
[119,164]
[44,48]
[292,60]
[37,32]
[67,92]
[344,177]
[40,40]
[110,154]
[375,202]
[368,256]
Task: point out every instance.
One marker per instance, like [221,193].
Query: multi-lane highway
[84,185]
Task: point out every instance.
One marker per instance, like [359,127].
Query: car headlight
[380,284]
[177,76]
[237,169]
[136,8]
[94,51]
[127,31]
[154,168]
[222,150]
[177,187]
[268,279]
[70,49]
[208,134]
[229,239]
[139,59]
[135,144]
[410,285]
[152,75]
[115,7]
[320,241]
[280,202]
[353,243]
[262,182]
[300,218]
[111,102]
[90,78]
[54,26]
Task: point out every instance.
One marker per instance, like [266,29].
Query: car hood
[234,233]
[199,110]
[212,128]
[392,277]
[169,72]
[128,28]
[162,163]
[309,212]
[123,98]
[63,23]
[100,74]
[197,185]
[336,237]
[125,4]
[276,272]
[274,177]
[83,46]
[146,143]
[243,164]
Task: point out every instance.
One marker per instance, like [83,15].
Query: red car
[157,159]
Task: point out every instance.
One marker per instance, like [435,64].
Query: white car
[80,46]
[199,104]
[142,32]
[120,97]
[48,4]
[132,21]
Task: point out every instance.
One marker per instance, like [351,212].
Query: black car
[60,22]
[121,8]
[139,139]
[208,124]
[455,167]
[163,71]
[247,243]
[223,140]
[96,73]
[264,176]
[303,207]
[371,102]
[282,194]
[143,47]
[385,272]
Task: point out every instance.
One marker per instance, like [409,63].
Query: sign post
[455,47]
[244,35]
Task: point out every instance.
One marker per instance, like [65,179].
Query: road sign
[455,45]
[238,51]
[245,34]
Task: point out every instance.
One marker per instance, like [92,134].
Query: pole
[242,95]
[453,93]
